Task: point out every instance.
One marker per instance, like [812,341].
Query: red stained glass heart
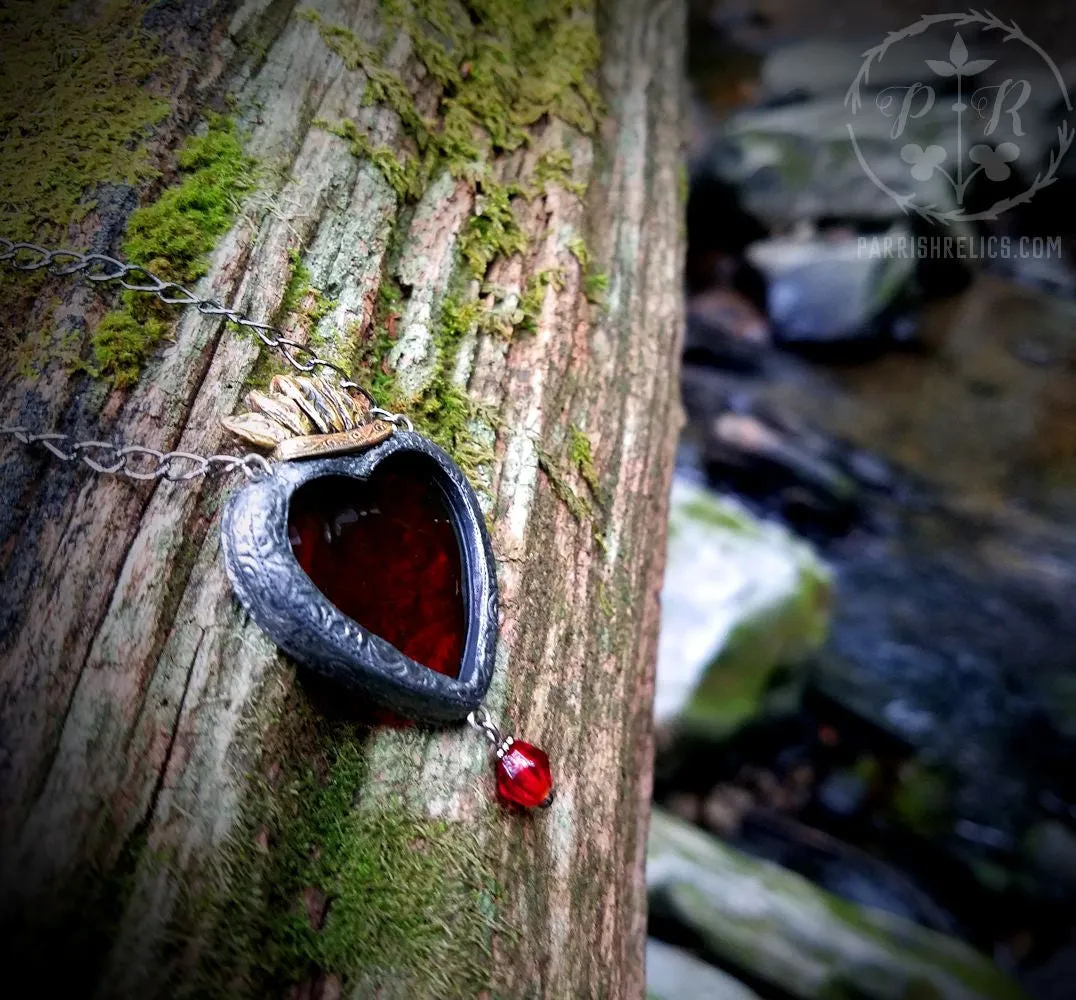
[385,552]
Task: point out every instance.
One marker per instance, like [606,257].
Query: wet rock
[744,438]
[809,68]
[794,162]
[932,644]
[1053,979]
[843,793]
[673,974]
[724,809]
[725,329]
[819,486]
[814,67]
[792,157]
[922,802]
[783,931]
[840,868]
[826,289]
[1050,848]
[953,630]
[1048,272]
[744,603]
[784,793]
[718,231]
[684,805]
[983,835]
[870,470]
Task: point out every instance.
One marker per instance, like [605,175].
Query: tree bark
[181,811]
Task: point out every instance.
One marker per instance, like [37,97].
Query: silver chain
[123,460]
[135,278]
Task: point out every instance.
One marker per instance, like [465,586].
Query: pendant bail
[480,721]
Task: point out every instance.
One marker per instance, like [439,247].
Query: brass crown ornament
[301,417]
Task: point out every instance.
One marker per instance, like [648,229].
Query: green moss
[506,67]
[429,47]
[581,455]
[442,410]
[577,506]
[313,881]
[320,307]
[174,234]
[556,167]
[370,367]
[76,109]
[298,284]
[561,51]
[974,971]
[525,319]
[172,238]
[124,337]
[595,283]
[596,287]
[891,957]
[498,72]
[511,312]
[383,87]
[578,461]
[38,346]
[721,516]
[577,247]
[405,174]
[301,297]
[605,602]
[757,656]
[493,230]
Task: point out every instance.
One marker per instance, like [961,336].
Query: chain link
[175,466]
[480,721]
[138,462]
[135,278]
[396,419]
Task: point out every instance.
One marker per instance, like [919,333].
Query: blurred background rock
[866,698]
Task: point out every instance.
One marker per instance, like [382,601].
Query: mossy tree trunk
[436,194]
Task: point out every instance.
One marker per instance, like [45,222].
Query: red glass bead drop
[523,775]
[384,551]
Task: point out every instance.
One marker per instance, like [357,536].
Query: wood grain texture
[139,707]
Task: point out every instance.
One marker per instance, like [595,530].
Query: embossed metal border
[281,598]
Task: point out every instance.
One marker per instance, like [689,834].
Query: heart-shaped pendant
[375,570]
[372,567]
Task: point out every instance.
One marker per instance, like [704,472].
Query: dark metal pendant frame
[283,600]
